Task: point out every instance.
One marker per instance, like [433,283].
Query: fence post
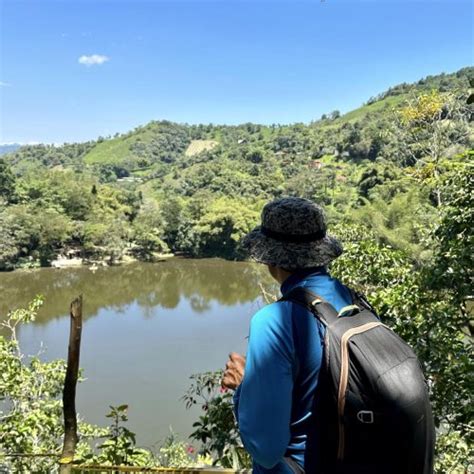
[70,382]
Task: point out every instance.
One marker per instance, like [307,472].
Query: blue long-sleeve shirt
[273,404]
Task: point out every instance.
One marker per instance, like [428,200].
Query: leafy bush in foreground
[31,411]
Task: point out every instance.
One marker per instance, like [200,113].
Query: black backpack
[372,411]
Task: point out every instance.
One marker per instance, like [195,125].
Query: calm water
[147,328]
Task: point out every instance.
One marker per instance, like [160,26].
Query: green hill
[151,150]
[198,188]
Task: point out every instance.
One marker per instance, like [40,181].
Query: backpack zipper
[343,379]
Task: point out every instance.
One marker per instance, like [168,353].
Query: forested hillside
[9,148]
[198,188]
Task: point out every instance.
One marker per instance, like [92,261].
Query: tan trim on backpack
[343,379]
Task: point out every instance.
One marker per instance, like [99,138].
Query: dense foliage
[216,430]
[430,320]
[31,428]
[31,410]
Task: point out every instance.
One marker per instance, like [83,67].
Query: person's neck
[279,274]
[299,275]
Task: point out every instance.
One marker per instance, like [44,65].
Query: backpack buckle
[348,311]
[365,416]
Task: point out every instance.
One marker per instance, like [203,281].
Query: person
[277,382]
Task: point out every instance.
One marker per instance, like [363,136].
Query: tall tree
[7,181]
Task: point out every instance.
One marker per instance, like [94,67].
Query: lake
[147,328]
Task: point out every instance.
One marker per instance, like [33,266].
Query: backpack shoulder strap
[320,308]
[360,300]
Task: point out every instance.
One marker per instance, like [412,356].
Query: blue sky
[212,62]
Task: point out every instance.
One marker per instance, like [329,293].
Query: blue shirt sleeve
[263,400]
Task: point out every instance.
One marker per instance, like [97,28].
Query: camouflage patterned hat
[292,236]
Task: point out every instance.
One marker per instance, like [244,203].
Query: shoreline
[67,263]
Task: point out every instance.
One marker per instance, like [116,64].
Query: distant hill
[8,148]
[158,148]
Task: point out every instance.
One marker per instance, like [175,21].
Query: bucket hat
[292,236]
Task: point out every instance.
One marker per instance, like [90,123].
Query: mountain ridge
[392,97]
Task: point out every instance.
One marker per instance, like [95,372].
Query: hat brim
[291,255]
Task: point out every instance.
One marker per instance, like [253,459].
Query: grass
[116,150]
[110,151]
[361,112]
[356,115]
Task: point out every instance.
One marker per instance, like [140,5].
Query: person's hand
[234,371]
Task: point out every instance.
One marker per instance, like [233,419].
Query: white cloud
[93,59]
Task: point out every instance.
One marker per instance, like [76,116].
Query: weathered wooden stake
[69,392]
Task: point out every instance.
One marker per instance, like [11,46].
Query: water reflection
[162,284]
[148,328]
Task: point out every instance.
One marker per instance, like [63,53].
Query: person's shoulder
[272,314]
[274,309]
[271,330]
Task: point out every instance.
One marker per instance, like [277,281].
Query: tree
[9,248]
[428,319]
[452,265]
[106,238]
[7,181]
[148,231]
[32,231]
[171,210]
[222,227]
[54,229]
[429,123]
[66,191]
[403,222]
[254,155]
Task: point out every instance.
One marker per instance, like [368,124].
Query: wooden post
[70,382]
